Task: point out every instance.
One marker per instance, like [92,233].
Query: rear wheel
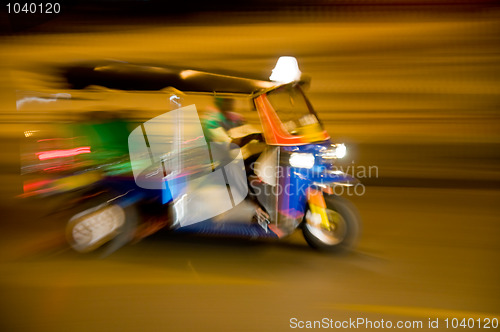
[343,227]
[101,226]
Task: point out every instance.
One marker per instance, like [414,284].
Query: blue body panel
[299,180]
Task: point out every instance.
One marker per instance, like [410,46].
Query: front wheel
[342,231]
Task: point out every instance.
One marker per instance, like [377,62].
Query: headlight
[340,150]
[337,151]
[302,160]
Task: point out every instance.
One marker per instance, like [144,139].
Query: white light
[340,151]
[337,151]
[302,160]
[286,70]
[188,73]
[52,98]
[29,133]
[174,99]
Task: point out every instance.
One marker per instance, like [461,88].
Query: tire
[344,217]
[101,227]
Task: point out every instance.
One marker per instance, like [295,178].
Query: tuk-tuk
[277,173]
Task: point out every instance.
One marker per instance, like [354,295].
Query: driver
[218,121]
[220,125]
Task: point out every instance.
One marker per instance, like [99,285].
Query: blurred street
[424,253]
[415,94]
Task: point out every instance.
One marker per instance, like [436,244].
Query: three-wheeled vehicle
[279,177]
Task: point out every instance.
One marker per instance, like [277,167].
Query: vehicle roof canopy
[127,76]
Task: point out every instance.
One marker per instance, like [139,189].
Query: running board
[228,229]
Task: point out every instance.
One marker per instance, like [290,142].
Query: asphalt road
[424,253]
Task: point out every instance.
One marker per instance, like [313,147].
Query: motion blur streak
[412,89]
[62,153]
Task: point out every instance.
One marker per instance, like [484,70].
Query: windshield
[293,109]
